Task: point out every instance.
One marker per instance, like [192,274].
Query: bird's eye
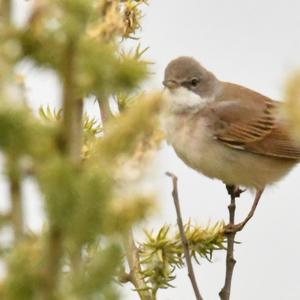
[194,82]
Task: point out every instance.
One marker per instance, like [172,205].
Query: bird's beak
[170,84]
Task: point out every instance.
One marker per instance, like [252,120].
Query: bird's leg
[240,226]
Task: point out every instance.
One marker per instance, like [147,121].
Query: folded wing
[253,124]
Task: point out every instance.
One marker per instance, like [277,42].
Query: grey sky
[254,43]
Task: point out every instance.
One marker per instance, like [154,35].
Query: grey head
[187,72]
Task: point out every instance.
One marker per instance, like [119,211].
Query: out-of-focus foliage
[96,67]
[163,252]
[88,209]
[292,104]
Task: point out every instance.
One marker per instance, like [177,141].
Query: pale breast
[190,140]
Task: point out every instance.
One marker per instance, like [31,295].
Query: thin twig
[183,237]
[135,276]
[230,260]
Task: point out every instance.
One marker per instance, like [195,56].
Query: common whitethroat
[224,130]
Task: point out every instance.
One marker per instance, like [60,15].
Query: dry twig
[183,238]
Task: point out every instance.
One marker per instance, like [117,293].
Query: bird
[226,131]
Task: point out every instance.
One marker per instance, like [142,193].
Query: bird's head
[188,84]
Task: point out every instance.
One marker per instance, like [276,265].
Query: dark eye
[194,82]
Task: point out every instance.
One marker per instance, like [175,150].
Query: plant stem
[135,276]
[72,109]
[53,264]
[72,141]
[230,260]
[184,240]
[14,172]
[105,112]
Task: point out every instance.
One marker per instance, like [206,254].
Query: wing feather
[253,125]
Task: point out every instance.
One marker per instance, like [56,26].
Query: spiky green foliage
[162,252]
[91,126]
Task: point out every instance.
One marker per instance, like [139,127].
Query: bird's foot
[234,190]
[233,228]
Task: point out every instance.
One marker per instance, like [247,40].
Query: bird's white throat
[182,99]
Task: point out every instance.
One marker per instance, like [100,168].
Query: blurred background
[253,43]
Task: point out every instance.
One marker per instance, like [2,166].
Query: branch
[230,261]
[135,275]
[105,112]
[14,172]
[183,237]
[16,213]
[71,131]
[72,109]
[54,254]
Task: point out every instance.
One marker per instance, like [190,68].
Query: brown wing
[253,125]
[278,144]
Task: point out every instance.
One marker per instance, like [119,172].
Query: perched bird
[224,130]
